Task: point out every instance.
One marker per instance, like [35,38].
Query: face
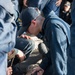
[34,27]
[25,2]
[66,8]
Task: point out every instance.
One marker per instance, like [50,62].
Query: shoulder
[2,12]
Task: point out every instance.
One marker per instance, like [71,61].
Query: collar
[51,14]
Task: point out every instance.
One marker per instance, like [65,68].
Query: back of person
[7,32]
[58,45]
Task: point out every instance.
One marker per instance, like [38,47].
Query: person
[21,40]
[49,6]
[44,6]
[65,13]
[20,53]
[25,44]
[51,28]
[7,32]
[71,51]
[23,47]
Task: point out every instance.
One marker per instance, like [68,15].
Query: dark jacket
[66,16]
[57,37]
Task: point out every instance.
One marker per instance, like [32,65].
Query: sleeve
[59,50]
[7,32]
[2,17]
[46,61]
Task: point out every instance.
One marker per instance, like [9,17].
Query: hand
[21,55]
[38,70]
[58,2]
[9,71]
[25,36]
[11,54]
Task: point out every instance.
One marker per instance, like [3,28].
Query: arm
[58,2]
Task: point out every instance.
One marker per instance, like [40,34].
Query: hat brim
[22,30]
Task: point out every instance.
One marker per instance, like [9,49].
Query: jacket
[56,34]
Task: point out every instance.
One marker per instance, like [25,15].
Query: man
[7,32]
[71,55]
[56,35]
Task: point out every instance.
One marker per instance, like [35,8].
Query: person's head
[31,21]
[25,3]
[67,6]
